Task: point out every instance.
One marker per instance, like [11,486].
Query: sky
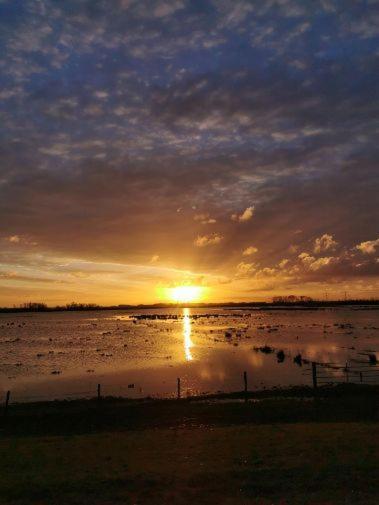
[231,145]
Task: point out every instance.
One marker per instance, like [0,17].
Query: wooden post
[178,381]
[98,392]
[245,384]
[314,375]
[360,376]
[6,403]
[347,372]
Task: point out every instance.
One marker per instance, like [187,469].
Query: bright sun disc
[185,294]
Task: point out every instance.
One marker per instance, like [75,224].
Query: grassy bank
[344,403]
[250,464]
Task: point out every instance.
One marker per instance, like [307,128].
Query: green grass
[303,463]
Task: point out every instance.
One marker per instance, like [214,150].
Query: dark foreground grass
[287,447]
[250,464]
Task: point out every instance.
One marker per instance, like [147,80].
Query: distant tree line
[291,301]
[43,307]
[34,306]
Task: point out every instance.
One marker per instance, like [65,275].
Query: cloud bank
[133,130]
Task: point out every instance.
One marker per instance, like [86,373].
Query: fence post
[6,403]
[178,381]
[245,384]
[314,374]
[98,392]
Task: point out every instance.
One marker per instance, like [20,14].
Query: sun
[185,294]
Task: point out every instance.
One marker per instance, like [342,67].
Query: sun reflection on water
[187,334]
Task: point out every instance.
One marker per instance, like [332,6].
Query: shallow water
[66,354]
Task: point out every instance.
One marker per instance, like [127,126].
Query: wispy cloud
[204,219]
[368,247]
[324,243]
[249,251]
[207,240]
[246,215]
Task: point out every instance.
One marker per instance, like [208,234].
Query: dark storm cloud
[122,120]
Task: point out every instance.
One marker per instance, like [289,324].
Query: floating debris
[298,360]
[280,356]
[373,359]
[266,349]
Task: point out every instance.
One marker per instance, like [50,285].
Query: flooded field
[140,353]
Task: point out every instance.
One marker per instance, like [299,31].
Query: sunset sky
[228,145]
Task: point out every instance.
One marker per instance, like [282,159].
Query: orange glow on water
[187,335]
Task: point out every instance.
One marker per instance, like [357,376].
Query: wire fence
[317,374]
[354,372]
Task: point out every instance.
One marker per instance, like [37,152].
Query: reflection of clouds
[325,353]
[215,374]
[322,349]
[256,359]
[205,373]
[333,373]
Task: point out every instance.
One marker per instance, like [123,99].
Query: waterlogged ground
[66,354]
